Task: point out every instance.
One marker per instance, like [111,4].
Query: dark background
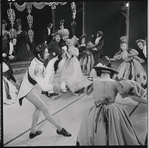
[100,15]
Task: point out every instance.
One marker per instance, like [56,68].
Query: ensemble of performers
[78,64]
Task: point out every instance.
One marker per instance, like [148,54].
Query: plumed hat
[63,32]
[100,33]
[123,39]
[104,69]
[142,41]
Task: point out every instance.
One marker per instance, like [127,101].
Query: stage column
[53,19]
[83,24]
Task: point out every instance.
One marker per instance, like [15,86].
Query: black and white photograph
[74,73]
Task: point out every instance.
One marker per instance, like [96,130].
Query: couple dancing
[38,74]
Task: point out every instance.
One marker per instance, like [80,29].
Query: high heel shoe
[32,135]
[63,132]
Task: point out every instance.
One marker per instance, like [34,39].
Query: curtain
[20,7]
[39,5]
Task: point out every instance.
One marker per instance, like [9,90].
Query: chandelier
[11,17]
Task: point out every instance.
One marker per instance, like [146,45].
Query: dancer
[97,48]
[35,75]
[22,48]
[54,51]
[47,33]
[131,68]
[107,122]
[70,72]
[85,56]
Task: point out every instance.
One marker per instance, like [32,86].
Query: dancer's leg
[38,103]
[35,120]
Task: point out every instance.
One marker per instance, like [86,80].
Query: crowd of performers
[78,64]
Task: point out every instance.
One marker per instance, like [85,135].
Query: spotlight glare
[127,4]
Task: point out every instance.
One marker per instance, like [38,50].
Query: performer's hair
[40,50]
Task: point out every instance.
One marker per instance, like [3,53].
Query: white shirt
[97,40]
[11,48]
[49,31]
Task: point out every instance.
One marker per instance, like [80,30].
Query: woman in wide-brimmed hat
[131,68]
[107,122]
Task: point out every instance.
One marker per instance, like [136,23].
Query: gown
[131,68]
[70,72]
[107,122]
[23,50]
[86,60]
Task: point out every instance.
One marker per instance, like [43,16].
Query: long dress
[22,48]
[71,73]
[9,90]
[131,68]
[86,60]
[107,122]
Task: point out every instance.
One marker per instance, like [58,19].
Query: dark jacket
[47,37]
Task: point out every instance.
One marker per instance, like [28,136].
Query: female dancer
[22,48]
[71,70]
[86,57]
[35,75]
[107,122]
[131,68]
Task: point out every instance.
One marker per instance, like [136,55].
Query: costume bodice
[104,89]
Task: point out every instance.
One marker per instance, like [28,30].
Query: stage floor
[67,109]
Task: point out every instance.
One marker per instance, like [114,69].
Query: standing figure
[35,75]
[5,38]
[131,68]
[22,47]
[54,51]
[70,72]
[142,49]
[47,34]
[97,48]
[64,33]
[107,122]
[86,56]
[7,56]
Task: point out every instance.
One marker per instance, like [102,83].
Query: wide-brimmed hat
[104,69]
[142,41]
